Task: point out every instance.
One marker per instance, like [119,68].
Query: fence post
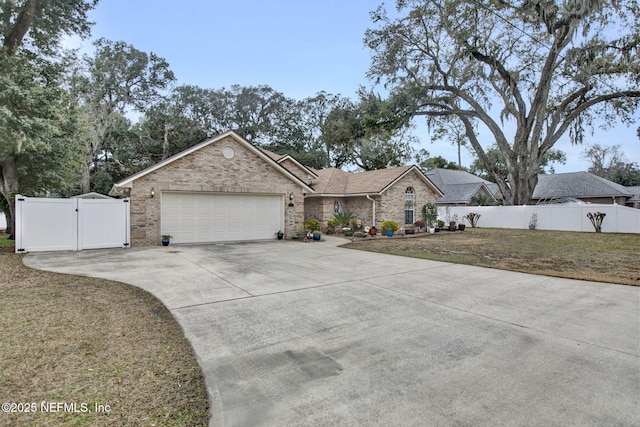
[17,221]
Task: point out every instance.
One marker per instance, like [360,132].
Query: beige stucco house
[226,189]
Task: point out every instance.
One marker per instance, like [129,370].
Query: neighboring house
[634,201]
[461,187]
[222,189]
[396,194]
[582,186]
[226,189]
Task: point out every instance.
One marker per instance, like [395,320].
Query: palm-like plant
[344,218]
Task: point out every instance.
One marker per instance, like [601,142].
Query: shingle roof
[281,158]
[460,193]
[459,186]
[636,194]
[272,155]
[454,177]
[336,181]
[577,184]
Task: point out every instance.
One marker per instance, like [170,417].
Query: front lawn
[84,351]
[603,257]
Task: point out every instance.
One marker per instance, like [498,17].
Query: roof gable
[460,186]
[283,159]
[127,182]
[463,193]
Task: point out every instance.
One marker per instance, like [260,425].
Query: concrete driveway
[292,333]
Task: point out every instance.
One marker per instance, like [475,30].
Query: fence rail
[566,217]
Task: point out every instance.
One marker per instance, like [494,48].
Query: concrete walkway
[292,333]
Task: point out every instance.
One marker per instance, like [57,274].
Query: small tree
[473,218]
[430,213]
[596,220]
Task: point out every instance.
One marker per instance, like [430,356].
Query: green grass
[82,340]
[5,242]
[603,257]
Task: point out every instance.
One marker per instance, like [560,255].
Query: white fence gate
[564,217]
[44,224]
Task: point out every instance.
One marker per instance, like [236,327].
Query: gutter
[374,210]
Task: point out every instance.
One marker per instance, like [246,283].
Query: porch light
[153,192]
[290,196]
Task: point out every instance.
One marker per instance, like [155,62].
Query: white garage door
[198,217]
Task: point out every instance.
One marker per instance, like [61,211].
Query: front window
[409,206]
[336,207]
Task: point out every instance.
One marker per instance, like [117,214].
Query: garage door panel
[206,217]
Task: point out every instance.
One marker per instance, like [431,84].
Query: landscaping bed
[603,257]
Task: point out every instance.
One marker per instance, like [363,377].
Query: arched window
[409,206]
[336,207]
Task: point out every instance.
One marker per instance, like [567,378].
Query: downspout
[373,223]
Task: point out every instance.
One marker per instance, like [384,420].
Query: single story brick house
[223,189]
[396,194]
[226,189]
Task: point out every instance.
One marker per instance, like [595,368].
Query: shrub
[312,224]
[596,220]
[473,218]
[419,223]
[389,225]
[332,224]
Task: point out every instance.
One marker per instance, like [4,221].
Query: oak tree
[33,106]
[116,80]
[527,71]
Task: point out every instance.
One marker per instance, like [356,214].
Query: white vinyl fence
[566,217]
[45,224]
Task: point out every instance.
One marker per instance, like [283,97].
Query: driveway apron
[293,333]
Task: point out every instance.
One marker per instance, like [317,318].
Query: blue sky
[298,48]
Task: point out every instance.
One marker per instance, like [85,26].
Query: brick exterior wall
[621,200]
[207,170]
[390,205]
[322,208]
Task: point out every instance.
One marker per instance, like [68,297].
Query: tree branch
[575,113]
[20,28]
[496,65]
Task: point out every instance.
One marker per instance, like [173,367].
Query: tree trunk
[10,187]
[14,39]
[85,184]
[165,143]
